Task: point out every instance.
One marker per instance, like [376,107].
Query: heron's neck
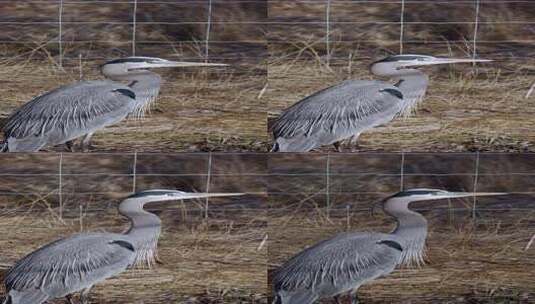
[146,85]
[411,230]
[144,230]
[413,87]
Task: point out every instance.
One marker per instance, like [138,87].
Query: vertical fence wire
[208,29]
[134,21]
[60,42]
[60,185]
[476,25]
[476,176]
[328,30]
[401,26]
[80,66]
[208,181]
[134,173]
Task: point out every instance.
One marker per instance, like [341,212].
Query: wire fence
[220,41]
[331,180]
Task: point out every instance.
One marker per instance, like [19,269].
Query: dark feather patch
[393,92]
[128,59]
[124,244]
[126,92]
[392,244]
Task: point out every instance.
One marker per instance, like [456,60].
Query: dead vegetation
[465,109]
[482,261]
[205,260]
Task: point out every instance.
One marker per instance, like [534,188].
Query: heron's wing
[342,259]
[71,106]
[339,107]
[69,259]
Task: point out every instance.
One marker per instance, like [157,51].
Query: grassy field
[477,250]
[212,251]
[197,110]
[467,262]
[465,109]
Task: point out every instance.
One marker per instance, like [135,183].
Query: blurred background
[314,44]
[213,251]
[47,43]
[478,250]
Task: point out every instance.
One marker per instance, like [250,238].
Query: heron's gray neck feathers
[144,231]
[413,88]
[146,86]
[411,231]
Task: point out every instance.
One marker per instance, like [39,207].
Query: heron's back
[69,112]
[337,265]
[336,113]
[71,264]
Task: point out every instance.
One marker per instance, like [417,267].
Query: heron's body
[80,109]
[69,265]
[67,113]
[341,264]
[78,262]
[335,114]
[345,110]
[336,266]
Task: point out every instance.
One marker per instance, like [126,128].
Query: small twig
[528,94]
[262,91]
[262,243]
[530,242]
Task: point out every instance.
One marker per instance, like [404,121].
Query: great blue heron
[78,262]
[340,265]
[345,110]
[79,109]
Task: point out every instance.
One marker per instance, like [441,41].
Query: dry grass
[467,263]
[461,111]
[214,260]
[465,109]
[196,111]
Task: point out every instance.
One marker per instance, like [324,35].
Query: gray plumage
[341,264]
[336,113]
[345,110]
[80,109]
[78,262]
[67,113]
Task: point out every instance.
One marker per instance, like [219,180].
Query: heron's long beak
[443,61]
[183,64]
[468,194]
[190,195]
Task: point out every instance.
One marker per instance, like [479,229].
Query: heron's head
[397,65]
[139,65]
[423,194]
[402,199]
[159,195]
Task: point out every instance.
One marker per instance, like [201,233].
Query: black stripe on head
[391,244]
[126,92]
[393,92]
[404,57]
[151,193]
[415,192]
[132,59]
